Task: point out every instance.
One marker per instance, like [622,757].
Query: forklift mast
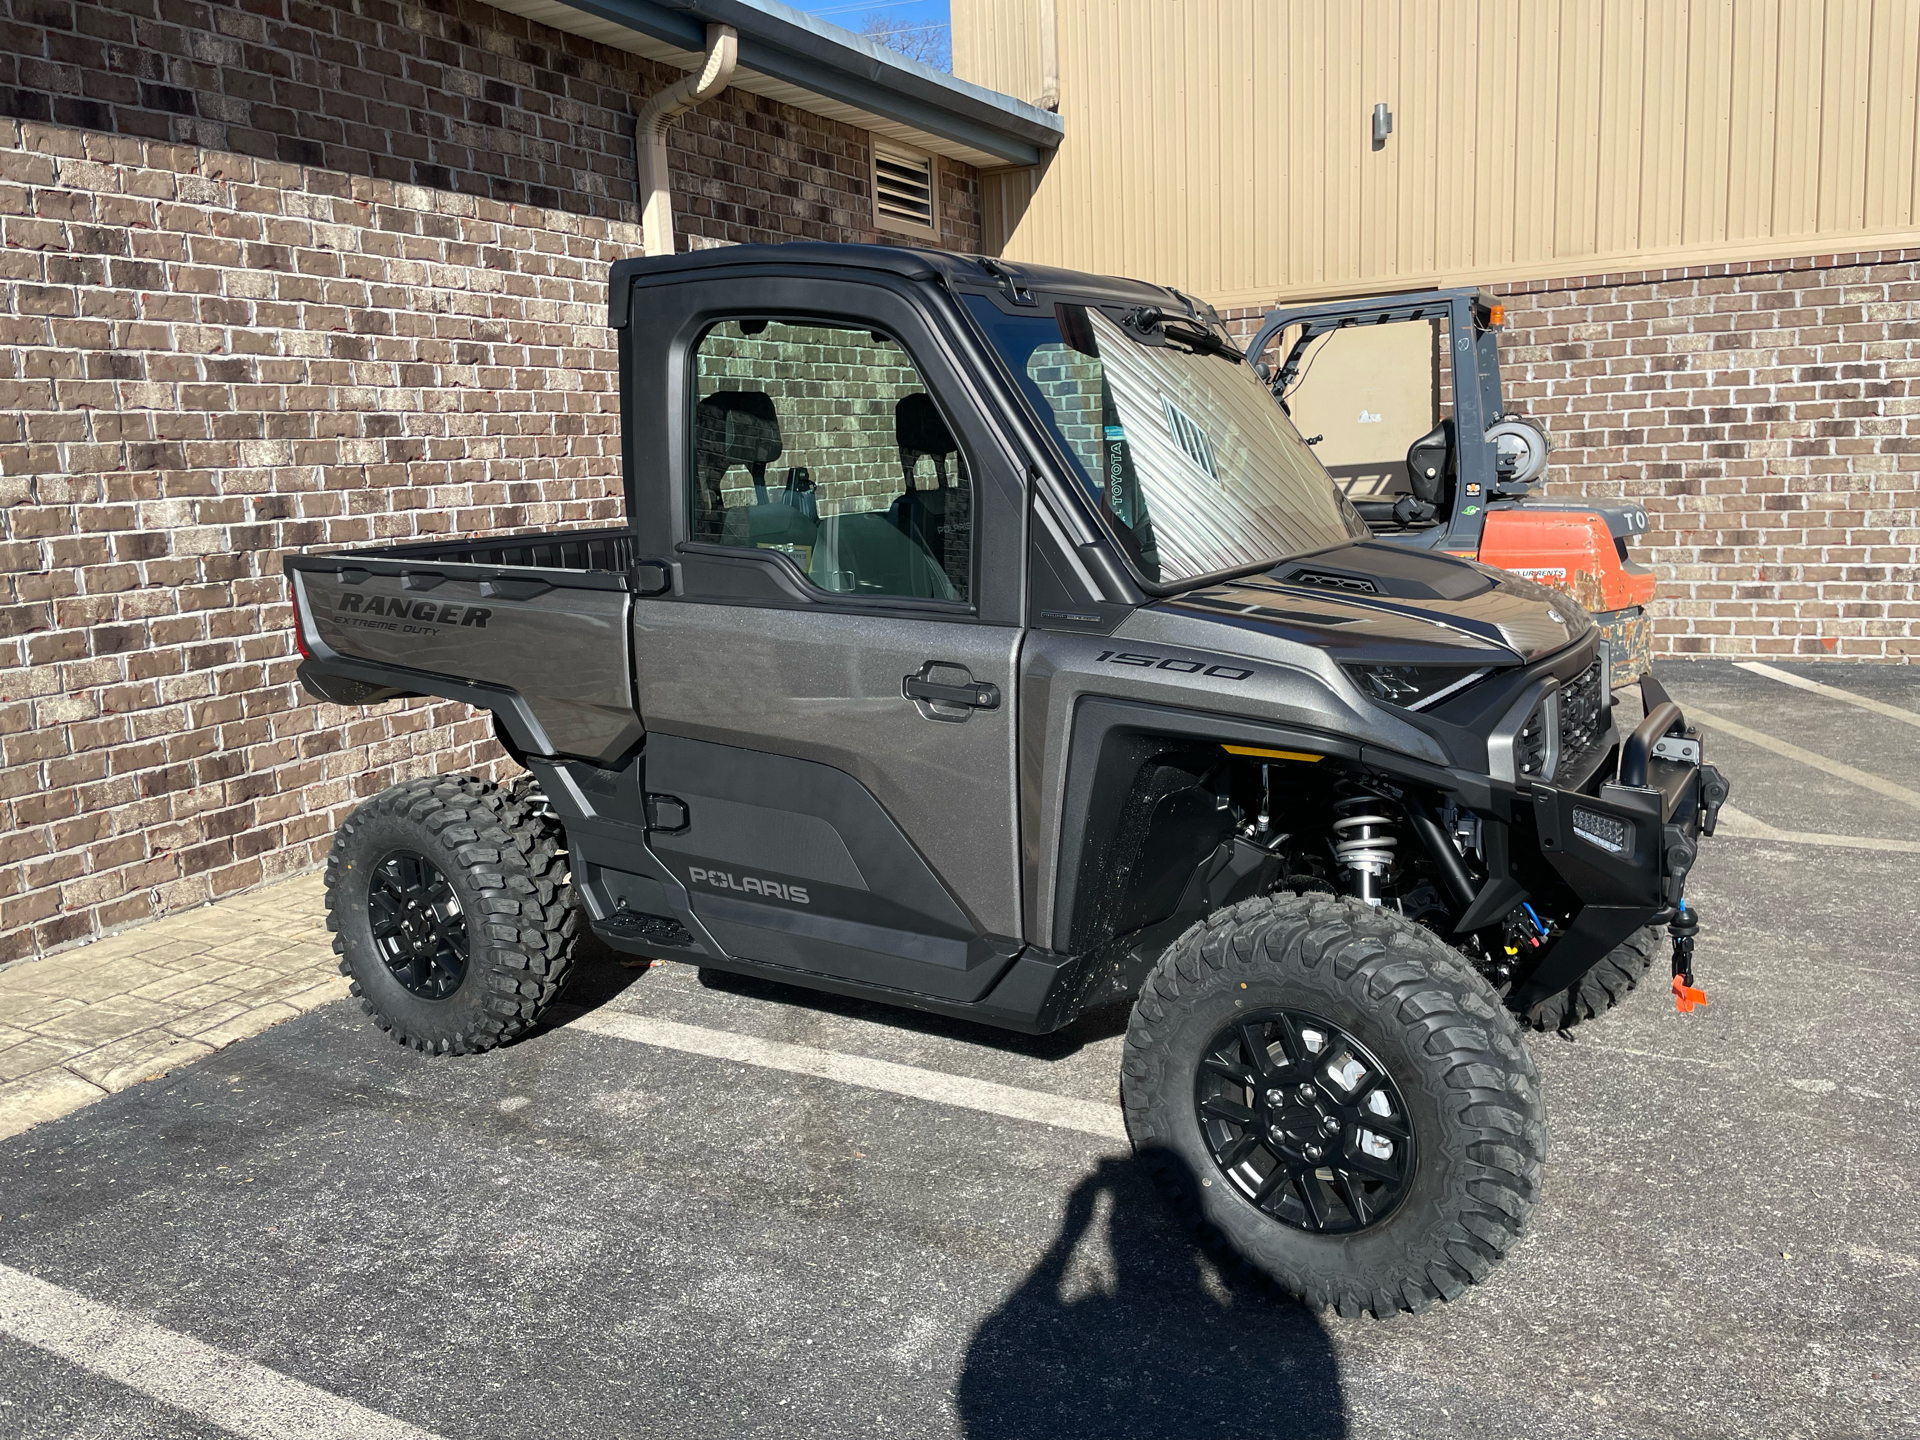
[1474,359]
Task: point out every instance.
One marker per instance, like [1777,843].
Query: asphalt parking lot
[742,1210]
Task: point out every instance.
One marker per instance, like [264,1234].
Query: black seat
[732,427]
[1431,475]
[919,430]
[941,518]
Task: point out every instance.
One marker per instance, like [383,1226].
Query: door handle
[974,694]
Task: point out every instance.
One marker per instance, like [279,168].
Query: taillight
[299,622]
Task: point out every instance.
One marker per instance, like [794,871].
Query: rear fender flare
[341,681]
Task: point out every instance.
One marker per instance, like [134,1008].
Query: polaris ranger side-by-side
[985,640]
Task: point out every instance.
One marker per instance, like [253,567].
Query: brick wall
[448,94]
[219,344]
[1767,415]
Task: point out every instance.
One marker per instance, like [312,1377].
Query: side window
[821,442]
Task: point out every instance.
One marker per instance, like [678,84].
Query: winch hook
[1682,928]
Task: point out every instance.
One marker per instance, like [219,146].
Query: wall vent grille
[903,191]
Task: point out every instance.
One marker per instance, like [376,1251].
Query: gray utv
[985,640]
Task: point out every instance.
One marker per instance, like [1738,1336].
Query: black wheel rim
[1304,1123]
[418,926]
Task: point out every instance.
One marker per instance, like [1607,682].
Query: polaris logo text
[750,885]
[402,608]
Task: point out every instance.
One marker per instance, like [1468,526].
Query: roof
[911,262]
[789,56]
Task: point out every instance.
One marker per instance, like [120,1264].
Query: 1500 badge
[1175,664]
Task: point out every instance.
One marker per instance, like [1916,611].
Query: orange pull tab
[1685,997]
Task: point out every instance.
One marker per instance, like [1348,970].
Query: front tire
[1340,1098]
[451,913]
[1602,987]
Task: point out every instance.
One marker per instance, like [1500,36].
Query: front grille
[1583,717]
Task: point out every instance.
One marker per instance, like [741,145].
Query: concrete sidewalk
[77,1026]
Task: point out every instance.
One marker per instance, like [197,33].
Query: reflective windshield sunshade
[1181,449]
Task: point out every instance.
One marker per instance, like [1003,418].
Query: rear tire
[1602,987]
[451,913]
[1396,1012]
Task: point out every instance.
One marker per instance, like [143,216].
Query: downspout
[650,132]
[1049,55]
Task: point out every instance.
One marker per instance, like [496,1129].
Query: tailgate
[557,639]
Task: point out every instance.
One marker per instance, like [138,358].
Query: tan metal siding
[1224,145]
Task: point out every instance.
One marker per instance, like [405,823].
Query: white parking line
[1832,692]
[224,1389]
[1743,826]
[1805,757]
[1088,1116]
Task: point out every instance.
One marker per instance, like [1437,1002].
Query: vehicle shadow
[600,975]
[1155,1343]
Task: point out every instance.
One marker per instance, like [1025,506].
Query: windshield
[1185,454]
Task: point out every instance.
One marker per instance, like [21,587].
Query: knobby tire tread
[528,925]
[1409,974]
[1608,983]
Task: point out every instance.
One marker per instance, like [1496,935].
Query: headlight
[1412,687]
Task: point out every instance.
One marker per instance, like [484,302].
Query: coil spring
[1363,842]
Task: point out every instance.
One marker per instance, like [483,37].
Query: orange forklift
[1466,486]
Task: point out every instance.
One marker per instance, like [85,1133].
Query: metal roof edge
[908,261]
[789,45]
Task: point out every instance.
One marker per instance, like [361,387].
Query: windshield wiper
[1192,334]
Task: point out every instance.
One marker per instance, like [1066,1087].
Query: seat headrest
[918,428]
[737,427]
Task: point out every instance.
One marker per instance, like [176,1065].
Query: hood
[1393,604]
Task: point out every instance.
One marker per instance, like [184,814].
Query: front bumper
[1633,840]
[1625,846]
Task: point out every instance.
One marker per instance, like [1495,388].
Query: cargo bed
[533,627]
[613,551]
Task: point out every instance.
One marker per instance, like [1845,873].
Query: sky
[916,12]
[919,14]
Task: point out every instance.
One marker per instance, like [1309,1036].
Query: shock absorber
[1363,842]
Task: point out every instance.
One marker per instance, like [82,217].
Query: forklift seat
[1432,474]
[1431,469]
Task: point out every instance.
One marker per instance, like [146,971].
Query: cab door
[829,686]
